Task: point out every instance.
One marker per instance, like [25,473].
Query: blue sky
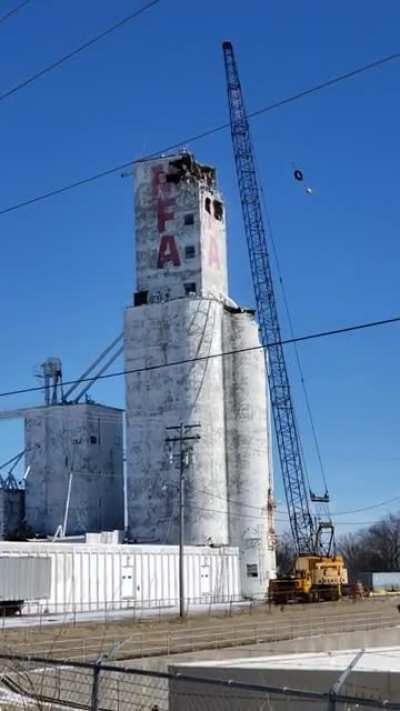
[67,262]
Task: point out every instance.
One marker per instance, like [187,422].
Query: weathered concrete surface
[85,441]
[248,447]
[169,193]
[182,312]
[191,393]
[12,512]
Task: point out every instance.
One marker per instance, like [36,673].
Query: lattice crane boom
[303,526]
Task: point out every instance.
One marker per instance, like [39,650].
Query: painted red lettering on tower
[168,252]
[213,254]
[162,213]
[157,181]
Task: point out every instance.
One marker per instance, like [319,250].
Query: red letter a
[168,252]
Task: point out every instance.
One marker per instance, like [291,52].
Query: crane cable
[296,350]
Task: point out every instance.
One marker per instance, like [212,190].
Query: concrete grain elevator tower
[182,312]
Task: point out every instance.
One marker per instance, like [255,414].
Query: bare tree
[285,554]
[376,548]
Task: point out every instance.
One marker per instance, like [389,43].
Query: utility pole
[183,435]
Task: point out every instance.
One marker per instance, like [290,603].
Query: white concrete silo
[180,323]
[248,445]
[156,399]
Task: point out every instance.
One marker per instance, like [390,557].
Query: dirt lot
[127,639]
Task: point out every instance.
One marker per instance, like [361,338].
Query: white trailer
[89,577]
[23,579]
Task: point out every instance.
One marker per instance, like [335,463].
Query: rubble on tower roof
[186,168]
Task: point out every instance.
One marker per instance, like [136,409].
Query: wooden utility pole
[183,435]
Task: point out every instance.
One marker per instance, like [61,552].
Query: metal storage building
[384,582]
[98,576]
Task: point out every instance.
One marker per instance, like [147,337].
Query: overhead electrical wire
[284,513]
[13,11]
[232,514]
[223,354]
[367,508]
[241,504]
[199,136]
[33,77]
[280,520]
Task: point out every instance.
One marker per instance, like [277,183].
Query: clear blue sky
[67,262]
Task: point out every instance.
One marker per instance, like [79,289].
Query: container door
[128,586]
[205,581]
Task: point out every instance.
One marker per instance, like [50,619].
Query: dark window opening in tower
[140,298]
[218,210]
[252,570]
[190,288]
[189,219]
[173,177]
[190,251]
[207,204]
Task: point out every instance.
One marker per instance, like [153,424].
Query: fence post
[337,686]
[94,701]
[332,701]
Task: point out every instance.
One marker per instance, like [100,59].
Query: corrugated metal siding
[89,577]
[25,577]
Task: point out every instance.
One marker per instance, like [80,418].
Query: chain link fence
[40,683]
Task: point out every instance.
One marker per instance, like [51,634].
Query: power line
[241,504]
[358,523]
[78,50]
[197,137]
[159,366]
[231,501]
[367,508]
[230,513]
[14,10]
[279,520]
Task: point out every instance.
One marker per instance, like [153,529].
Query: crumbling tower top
[180,230]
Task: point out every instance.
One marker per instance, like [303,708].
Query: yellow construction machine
[315,579]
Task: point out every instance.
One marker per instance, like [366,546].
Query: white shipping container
[24,578]
[386,581]
[99,576]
